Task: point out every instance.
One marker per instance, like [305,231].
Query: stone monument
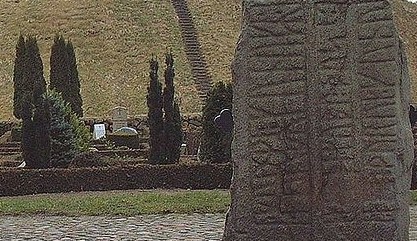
[99,131]
[119,117]
[322,147]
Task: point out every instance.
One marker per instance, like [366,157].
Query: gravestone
[126,131]
[99,131]
[322,147]
[119,117]
[224,121]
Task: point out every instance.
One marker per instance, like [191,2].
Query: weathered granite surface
[322,144]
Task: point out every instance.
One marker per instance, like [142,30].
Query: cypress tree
[215,145]
[41,134]
[18,77]
[34,113]
[27,132]
[35,83]
[155,116]
[59,66]
[75,99]
[172,118]
[64,73]
[177,134]
[29,73]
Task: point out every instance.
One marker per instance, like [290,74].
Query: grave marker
[322,145]
[119,117]
[99,131]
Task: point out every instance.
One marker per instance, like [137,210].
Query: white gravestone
[99,131]
[119,118]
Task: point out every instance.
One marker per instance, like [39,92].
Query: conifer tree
[213,148]
[177,134]
[81,132]
[18,77]
[41,128]
[64,73]
[155,116]
[63,139]
[75,99]
[35,84]
[59,66]
[34,113]
[172,117]
[28,139]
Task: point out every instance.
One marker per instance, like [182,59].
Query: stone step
[9,149]
[204,88]
[187,28]
[184,15]
[199,65]
[194,58]
[10,144]
[187,24]
[10,163]
[201,76]
[199,68]
[10,153]
[203,82]
[194,48]
[190,38]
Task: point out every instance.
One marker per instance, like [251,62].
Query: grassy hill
[114,40]
[218,24]
[406,18]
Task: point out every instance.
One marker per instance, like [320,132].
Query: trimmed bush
[130,141]
[32,181]
[88,159]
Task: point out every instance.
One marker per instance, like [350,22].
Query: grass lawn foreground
[124,203]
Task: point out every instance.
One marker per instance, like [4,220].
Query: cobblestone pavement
[148,227]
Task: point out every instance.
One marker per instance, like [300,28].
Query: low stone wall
[16,182]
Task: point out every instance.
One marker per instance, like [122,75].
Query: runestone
[322,147]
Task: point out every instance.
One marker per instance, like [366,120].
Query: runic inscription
[322,145]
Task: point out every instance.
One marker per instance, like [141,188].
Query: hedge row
[14,182]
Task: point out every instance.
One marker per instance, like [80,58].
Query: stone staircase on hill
[9,148]
[195,56]
[7,152]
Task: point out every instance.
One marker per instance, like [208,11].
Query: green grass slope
[218,23]
[406,19]
[114,40]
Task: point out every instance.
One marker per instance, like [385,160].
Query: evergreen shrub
[215,145]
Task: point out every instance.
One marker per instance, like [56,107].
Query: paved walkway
[149,227]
